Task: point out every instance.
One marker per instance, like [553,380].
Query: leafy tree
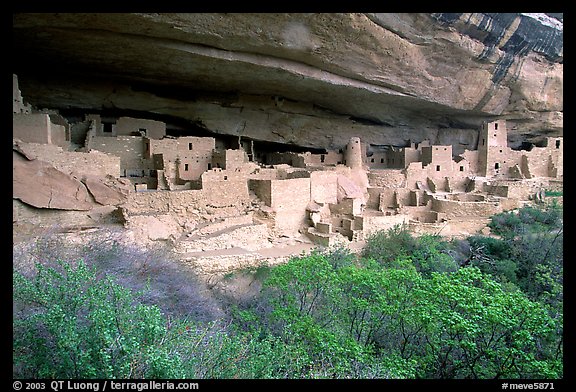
[475,329]
[459,324]
[430,254]
[70,324]
[387,246]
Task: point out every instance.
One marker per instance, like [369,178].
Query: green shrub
[69,323]
[387,246]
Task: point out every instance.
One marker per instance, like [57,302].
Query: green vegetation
[549,193]
[407,307]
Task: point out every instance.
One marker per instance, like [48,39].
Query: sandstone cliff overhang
[306,79]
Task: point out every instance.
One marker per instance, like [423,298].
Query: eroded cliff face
[312,80]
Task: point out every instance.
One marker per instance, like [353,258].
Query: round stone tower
[353,154]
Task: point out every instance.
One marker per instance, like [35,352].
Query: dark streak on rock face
[530,35]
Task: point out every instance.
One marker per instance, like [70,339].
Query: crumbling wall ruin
[454,209]
[37,128]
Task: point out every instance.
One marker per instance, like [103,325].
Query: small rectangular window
[322,157]
[185,167]
[557,143]
[437,167]
[495,126]
[496,166]
[461,168]
[190,146]
[372,160]
[382,160]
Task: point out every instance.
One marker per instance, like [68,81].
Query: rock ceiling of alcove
[396,72]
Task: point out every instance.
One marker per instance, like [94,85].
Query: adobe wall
[288,173]
[373,201]
[377,160]
[167,146]
[412,155]
[191,164]
[284,158]
[162,202]
[31,128]
[458,184]
[178,202]
[196,143]
[493,133]
[437,160]
[347,207]
[324,186]
[520,190]
[538,161]
[229,159]
[37,128]
[130,149]
[472,158]
[80,163]
[387,199]
[59,136]
[415,173]
[17,100]
[127,126]
[374,223]
[555,146]
[387,178]
[261,173]
[290,198]
[330,158]
[354,153]
[395,159]
[424,216]
[500,160]
[293,194]
[454,209]
[222,188]
[395,198]
[466,197]
[263,189]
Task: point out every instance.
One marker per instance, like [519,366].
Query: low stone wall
[130,149]
[155,202]
[248,237]
[454,209]
[387,178]
[375,223]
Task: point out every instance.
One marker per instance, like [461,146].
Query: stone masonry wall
[324,186]
[37,128]
[388,178]
[150,128]
[130,149]
[454,209]
[290,199]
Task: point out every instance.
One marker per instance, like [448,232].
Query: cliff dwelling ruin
[235,198]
